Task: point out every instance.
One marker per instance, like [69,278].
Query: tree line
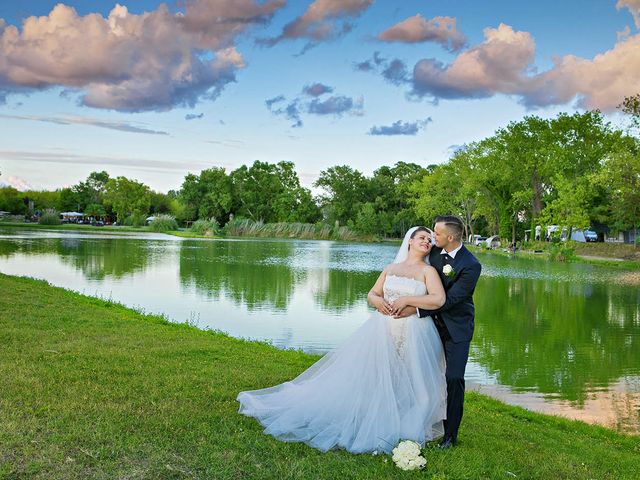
[262,192]
[572,170]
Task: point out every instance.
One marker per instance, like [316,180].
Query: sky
[153,91]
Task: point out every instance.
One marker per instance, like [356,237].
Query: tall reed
[243,227]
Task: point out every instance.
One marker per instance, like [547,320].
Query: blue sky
[153,93]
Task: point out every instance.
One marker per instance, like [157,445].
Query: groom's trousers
[456,355]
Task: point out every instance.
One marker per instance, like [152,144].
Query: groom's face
[442,235]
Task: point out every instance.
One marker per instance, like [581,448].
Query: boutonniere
[448,270]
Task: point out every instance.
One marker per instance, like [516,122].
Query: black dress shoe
[447,443]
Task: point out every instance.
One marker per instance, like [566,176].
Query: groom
[459,271]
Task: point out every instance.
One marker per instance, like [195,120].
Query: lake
[553,337]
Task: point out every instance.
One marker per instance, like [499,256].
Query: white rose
[447,269]
[407,456]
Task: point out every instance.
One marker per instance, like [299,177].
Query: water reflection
[95,258]
[250,273]
[553,337]
[556,344]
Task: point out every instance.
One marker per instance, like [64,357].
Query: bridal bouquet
[407,456]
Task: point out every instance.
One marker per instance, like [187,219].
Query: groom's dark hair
[453,224]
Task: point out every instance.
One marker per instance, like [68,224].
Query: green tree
[579,145]
[344,190]
[293,203]
[621,177]
[271,193]
[631,106]
[95,210]
[389,190]
[491,169]
[436,194]
[11,200]
[159,203]
[570,206]
[207,195]
[127,197]
[67,200]
[42,199]
[90,191]
[368,220]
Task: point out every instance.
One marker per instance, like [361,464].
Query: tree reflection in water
[256,274]
[563,339]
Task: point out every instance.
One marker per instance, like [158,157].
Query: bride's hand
[383,306]
[397,306]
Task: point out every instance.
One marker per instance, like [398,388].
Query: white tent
[72,214]
[493,242]
[578,236]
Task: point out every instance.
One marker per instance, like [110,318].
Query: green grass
[91,389]
[189,234]
[610,259]
[76,227]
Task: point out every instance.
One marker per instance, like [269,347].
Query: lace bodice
[396,287]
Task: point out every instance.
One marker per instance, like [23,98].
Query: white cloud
[64,158]
[634,8]
[16,182]
[416,29]
[600,83]
[75,120]
[496,65]
[503,64]
[321,21]
[129,62]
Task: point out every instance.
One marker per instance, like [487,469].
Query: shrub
[163,223]
[561,252]
[208,228]
[135,220]
[49,217]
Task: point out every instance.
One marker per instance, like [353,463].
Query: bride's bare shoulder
[428,269]
[388,268]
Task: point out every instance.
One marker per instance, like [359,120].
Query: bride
[384,384]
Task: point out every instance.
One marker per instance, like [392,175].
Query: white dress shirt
[452,253]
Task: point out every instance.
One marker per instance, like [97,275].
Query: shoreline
[137,395]
[614,261]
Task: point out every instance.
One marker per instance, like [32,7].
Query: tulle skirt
[384,384]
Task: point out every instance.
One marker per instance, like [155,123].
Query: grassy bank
[107,229]
[90,389]
[620,251]
[73,227]
[237,228]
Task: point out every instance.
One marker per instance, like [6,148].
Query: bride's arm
[375,297]
[430,301]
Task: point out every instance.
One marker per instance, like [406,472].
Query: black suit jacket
[458,311]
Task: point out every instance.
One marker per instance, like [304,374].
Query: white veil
[403,252]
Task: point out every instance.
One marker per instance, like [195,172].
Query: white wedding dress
[384,384]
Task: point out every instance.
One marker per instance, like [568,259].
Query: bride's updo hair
[417,230]
[420,229]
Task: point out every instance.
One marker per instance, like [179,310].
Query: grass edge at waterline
[92,389]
